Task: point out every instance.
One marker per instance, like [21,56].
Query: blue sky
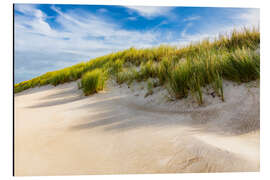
[49,37]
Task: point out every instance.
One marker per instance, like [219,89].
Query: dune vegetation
[181,71]
[92,82]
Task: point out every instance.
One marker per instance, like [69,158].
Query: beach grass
[182,70]
[92,82]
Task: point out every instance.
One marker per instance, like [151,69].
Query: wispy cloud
[82,36]
[184,31]
[150,11]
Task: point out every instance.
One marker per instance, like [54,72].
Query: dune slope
[59,131]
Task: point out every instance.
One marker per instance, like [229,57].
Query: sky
[49,37]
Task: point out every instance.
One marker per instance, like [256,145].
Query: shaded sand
[58,131]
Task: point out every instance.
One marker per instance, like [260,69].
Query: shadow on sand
[120,113]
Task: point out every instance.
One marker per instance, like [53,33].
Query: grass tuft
[92,82]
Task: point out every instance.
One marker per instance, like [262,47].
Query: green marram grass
[92,82]
[183,71]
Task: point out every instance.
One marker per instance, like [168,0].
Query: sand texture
[59,131]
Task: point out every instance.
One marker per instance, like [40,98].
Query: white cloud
[74,33]
[150,11]
[249,17]
[29,10]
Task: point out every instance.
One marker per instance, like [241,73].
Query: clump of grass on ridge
[92,82]
[242,65]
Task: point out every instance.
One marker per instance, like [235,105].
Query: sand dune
[58,131]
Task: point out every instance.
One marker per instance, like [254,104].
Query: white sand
[58,131]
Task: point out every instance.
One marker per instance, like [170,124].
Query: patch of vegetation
[242,65]
[182,71]
[92,82]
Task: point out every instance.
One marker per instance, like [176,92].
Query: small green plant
[92,82]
